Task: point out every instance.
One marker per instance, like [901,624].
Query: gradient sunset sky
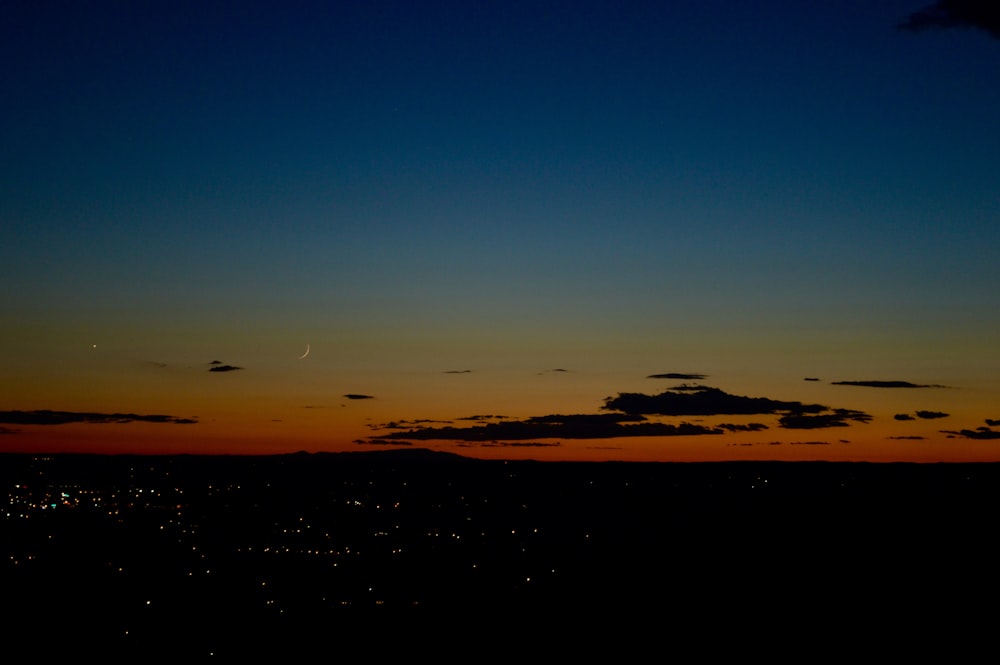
[581,230]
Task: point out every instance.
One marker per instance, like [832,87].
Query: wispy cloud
[47,417]
[978,433]
[573,426]
[404,424]
[381,442]
[217,366]
[885,384]
[517,444]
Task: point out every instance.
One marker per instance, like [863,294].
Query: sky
[580,230]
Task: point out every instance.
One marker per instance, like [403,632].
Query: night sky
[571,230]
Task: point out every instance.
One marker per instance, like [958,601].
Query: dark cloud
[223,368]
[992,423]
[926,415]
[519,444]
[884,384]
[839,418]
[790,443]
[381,442]
[678,375]
[907,438]
[392,424]
[357,396]
[978,433]
[458,371]
[626,416]
[46,417]
[574,426]
[705,401]
[702,401]
[751,427]
[403,424]
[810,378]
[943,14]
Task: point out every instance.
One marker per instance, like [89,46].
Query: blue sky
[758,191]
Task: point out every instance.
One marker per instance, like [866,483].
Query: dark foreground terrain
[192,556]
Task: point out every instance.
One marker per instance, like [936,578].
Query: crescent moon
[305,354]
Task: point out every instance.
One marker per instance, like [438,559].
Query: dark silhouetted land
[189,555]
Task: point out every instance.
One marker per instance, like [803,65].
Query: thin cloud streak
[984,433]
[555,426]
[47,417]
[885,384]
